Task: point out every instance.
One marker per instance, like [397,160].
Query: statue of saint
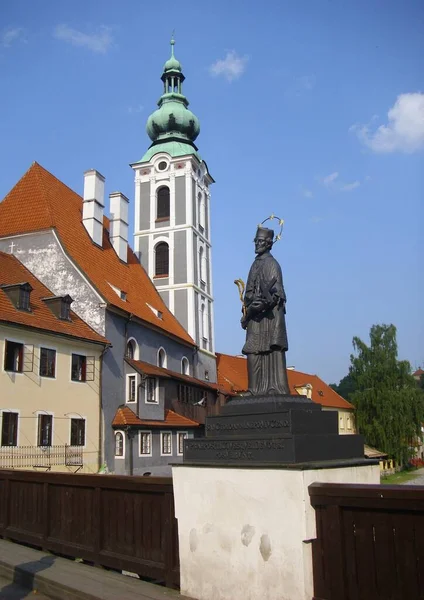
[264,321]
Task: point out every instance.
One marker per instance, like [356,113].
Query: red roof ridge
[126,416]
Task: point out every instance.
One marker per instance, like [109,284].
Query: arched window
[130,349]
[162,203]
[201,211]
[162,358]
[185,366]
[119,444]
[201,265]
[203,323]
[162,259]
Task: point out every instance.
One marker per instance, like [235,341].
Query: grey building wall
[143,252]
[180,307]
[211,333]
[180,201]
[156,464]
[145,205]
[44,257]
[162,223]
[206,218]
[195,258]
[157,235]
[206,362]
[196,317]
[180,256]
[165,296]
[118,330]
[208,270]
[194,201]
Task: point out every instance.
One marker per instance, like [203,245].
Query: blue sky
[312,110]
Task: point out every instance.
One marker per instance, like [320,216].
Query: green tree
[421,382]
[389,406]
[346,386]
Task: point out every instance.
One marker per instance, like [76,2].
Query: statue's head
[264,240]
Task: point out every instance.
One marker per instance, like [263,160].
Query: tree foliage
[389,405]
[346,387]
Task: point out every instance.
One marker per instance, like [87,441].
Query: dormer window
[60,306]
[19,294]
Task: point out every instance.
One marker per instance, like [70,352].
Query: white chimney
[92,208]
[118,232]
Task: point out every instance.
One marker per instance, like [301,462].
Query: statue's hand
[258,306]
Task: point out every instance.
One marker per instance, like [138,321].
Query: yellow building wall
[30,394]
[346,420]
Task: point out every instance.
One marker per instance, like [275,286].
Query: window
[131,388]
[166,442]
[47,362]
[24,295]
[190,394]
[162,358]
[182,435]
[201,266]
[349,422]
[119,444]
[151,385]
[201,212]
[82,368]
[162,260]
[77,432]
[129,353]
[185,366]
[162,211]
[13,357]
[65,308]
[45,425]
[162,166]
[145,443]
[9,429]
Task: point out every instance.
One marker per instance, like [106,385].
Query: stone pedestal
[272,430]
[244,532]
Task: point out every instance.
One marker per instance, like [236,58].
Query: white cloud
[98,42]
[231,67]
[135,109]
[333,182]
[404,131]
[10,35]
[307,193]
[330,179]
[348,187]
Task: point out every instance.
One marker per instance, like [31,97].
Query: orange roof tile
[144,367]
[232,377]
[40,317]
[125,416]
[39,201]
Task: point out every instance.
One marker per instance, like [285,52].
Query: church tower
[172,216]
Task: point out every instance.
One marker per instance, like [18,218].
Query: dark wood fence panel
[124,523]
[370,542]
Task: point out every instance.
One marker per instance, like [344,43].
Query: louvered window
[162,203]
[162,259]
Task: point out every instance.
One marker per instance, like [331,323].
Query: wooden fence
[370,542]
[124,523]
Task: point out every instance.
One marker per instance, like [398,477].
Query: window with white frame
[166,442]
[119,445]
[82,368]
[162,358]
[131,388]
[185,366]
[77,432]
[181,435]
[130,349]
[145,443]
[45,427]
[9,428]
[47,362]
[151,384]
[349,422]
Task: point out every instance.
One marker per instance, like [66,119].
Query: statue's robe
[266,333]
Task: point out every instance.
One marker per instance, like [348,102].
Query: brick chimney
[93,205]
[118,231]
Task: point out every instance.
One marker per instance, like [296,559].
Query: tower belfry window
[162,259]
[162,203]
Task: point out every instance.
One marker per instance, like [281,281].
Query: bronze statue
[264,321]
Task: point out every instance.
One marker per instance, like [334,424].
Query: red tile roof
[232,377]
[125,416]
[418,373]
[40,317]
[148,369]
[39,201]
